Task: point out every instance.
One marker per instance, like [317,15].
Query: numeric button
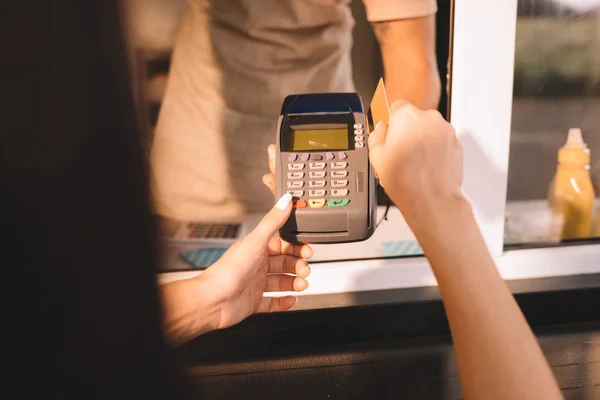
[339,165]
[317,174]
[296,193]
[317,165]
[338,183]
[339,174]
[317,183]
[295,167]
[317,193]
[295,184]
[295,175]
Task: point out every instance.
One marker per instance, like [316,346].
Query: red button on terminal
[299,203]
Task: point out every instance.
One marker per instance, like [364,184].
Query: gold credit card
[378,109]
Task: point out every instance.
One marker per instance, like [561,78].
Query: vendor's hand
[269,179]
[232,289]
[419,162]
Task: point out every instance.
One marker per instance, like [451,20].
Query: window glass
[556,114]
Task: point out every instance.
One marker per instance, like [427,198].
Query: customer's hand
[419,162]
[232,289]
[260,263]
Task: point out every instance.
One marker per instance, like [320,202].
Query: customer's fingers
[278,246]
[283,264]
[276,304]
[285,283]
[271,222]
[377,140]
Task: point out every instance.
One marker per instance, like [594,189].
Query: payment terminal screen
[319,139]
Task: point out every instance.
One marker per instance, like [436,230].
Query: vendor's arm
[405,30]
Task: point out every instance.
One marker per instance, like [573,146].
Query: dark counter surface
[381,352]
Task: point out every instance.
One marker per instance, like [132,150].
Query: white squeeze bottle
[571,194]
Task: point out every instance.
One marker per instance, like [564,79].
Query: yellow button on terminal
[317,203]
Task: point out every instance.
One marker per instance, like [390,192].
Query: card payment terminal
[323,162]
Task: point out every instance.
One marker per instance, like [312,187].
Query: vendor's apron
[234,63]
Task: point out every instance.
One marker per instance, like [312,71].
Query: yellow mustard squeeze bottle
[597,233]
[571,194]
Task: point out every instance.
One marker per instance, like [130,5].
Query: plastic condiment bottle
[571,194]
[597,234]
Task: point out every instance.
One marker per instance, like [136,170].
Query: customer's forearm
[497,354]
[188,310]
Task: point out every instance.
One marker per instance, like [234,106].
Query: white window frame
[481,107]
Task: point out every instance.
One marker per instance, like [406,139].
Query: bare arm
[233,287]
[409,60]
[419,161]
[497,354]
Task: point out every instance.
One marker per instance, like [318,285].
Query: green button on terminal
[338,202]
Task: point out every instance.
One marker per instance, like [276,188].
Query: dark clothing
[78,240]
